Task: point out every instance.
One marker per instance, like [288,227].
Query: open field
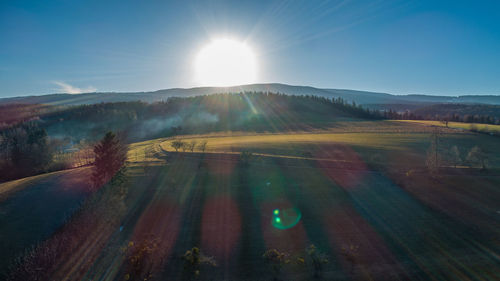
[365,190]
[459,125]
[31,209]
[386,148]
[405,227]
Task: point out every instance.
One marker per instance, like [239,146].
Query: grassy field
[31,209]
[386,148]
[364,198]
[14,186]
[459,125]
[404,226]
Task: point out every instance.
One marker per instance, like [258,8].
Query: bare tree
[455,156]
[192,145]
[433,158]
[176,144]
[78,156]
[477,156]
[185,146]
[89,156]
[445,121]
[85,153]
[203,146]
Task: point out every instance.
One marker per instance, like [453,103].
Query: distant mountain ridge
[370,99]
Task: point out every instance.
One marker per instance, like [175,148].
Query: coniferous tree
[110,156]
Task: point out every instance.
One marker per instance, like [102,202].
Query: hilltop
[359,97]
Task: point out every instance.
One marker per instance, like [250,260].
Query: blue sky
[401,47]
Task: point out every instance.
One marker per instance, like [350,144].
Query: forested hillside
[244,111]
[61,137]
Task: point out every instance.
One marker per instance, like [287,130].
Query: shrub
[473,128]
[350,252]
[245,157]
[193,259]
[316,260]
[139,257]
[276,260]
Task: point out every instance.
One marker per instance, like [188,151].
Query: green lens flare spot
[287,218]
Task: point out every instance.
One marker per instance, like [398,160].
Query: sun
[225,62]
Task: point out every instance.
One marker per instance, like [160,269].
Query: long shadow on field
[191,201]
[250,262]
[294,183]
[164,206]
[138,199]
[426,243]
[431,244]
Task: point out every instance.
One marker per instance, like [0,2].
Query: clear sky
[401,47]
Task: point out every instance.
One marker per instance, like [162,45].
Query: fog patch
[157,125]
[186,121]
[203,117]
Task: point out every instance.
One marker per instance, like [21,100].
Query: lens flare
[287,218]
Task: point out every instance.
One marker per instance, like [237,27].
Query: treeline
[24,150]
[261,103]
[27,150]
[12,114]
[439,155]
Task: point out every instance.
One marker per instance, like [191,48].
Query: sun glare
[225,62]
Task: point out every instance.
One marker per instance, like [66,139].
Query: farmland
[486,128]
[31,209]
[364,197]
